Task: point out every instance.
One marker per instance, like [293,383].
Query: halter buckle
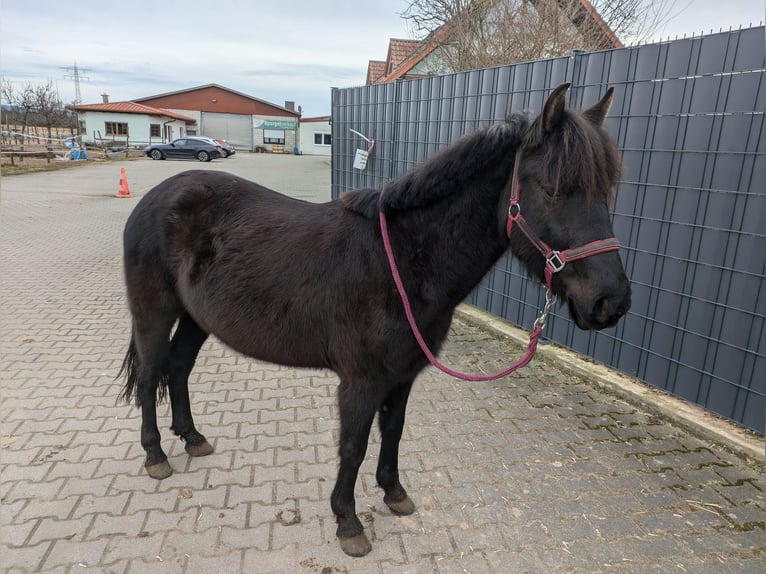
[514,210]
[555,262]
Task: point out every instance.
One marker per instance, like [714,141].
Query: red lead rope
[533,337]
[555,262]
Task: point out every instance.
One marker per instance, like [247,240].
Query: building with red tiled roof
[375,69]
[214,98]
[398,51]
[587,13]
[209,110]
[410,59]
[130,108]
[243,120]
[130,123]
[417,63]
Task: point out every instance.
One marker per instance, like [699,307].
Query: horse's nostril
[602,310]
[605,307]
[609,310]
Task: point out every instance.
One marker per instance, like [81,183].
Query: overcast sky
[292,50]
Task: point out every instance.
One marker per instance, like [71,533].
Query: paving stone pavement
[538,472]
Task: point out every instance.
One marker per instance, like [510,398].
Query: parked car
[227,149]
[202,149]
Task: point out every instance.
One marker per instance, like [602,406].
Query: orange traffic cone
[124,189]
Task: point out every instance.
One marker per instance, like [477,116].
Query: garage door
[237,129]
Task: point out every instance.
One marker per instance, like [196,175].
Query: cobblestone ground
[538,472]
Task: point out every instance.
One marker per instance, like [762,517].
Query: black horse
[308,285]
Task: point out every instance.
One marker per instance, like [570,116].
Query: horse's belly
[269,332]
[297,350]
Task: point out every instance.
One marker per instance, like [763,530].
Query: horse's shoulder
[362,201]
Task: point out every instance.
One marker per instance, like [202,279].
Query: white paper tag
[360,159]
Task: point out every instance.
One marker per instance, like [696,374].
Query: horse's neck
[450,213]
[455,242]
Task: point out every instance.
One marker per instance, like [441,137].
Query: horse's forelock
[578,152]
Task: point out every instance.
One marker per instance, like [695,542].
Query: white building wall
[138,127]
[310,132]
[175,129]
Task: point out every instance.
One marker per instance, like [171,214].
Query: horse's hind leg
[151,349]
[186,343]
[391,422]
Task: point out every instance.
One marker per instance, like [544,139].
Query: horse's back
[179,214]
[211,193]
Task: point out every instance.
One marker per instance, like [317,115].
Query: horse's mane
[576,151]
[445,172]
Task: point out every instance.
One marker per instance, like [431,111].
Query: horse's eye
[550,193]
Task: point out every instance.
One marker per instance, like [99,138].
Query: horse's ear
[554,108]
[597,114]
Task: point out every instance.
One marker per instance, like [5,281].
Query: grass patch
[35,165]
[30,167]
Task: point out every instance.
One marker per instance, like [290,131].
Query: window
[274,136]
[154,130]
[116,128]
[322,138]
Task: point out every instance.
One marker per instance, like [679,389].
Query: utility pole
[76,76]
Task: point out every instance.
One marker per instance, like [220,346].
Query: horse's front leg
[357,412]
[391,421]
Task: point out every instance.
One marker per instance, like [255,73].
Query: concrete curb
[693,418]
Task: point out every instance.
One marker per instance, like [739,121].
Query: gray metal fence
[688,117]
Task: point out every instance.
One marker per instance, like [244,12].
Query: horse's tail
[131,370]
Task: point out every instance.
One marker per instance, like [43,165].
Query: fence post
[396,127]
[577,57]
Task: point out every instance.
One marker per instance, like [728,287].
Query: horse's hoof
[202,449]
[160,470]
[356,546]
[402,507]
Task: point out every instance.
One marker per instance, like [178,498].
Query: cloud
[309,72]
[273,52]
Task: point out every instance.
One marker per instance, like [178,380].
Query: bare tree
[48,105]
[7,95]
[20,103]
[32,105]
[634,21]
[482,33]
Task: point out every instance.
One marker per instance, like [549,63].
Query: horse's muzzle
[600,312]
